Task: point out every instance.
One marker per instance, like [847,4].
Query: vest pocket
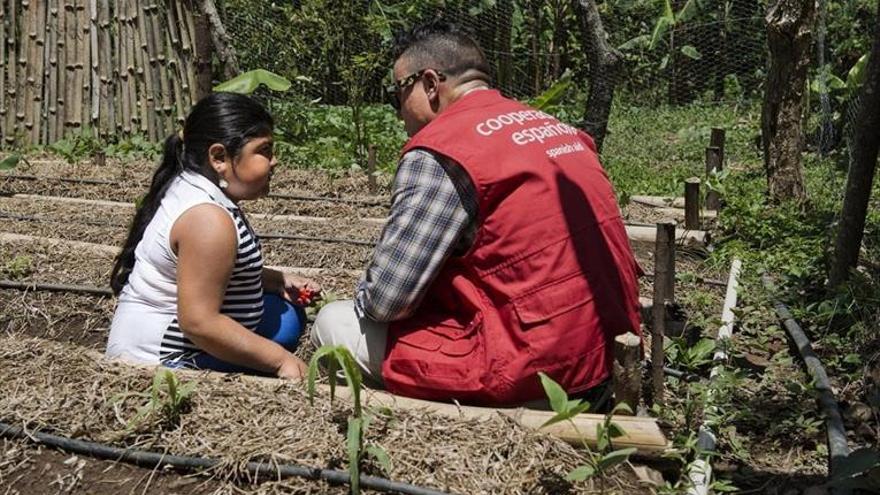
[447,337]
[549,301]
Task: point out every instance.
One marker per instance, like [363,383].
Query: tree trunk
[203,53]
[605,64]
[863,164]
[788,37]
[222,43]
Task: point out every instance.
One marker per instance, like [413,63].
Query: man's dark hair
[443,46]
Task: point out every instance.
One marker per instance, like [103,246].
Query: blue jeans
[282,323]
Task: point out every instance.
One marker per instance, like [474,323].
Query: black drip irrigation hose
[838,449]
[189,463]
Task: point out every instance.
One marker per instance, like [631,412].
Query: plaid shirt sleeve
[433,216]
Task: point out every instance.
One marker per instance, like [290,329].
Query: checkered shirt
[433,216]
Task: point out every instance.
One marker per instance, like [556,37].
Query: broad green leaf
[248,82]
[691,52]
[10,162]
[553,95]
[557,396]
[581,473]
[637,42]
[354,453]
[612,459]
[615,431]
[856,75]
[668,13]
[313,372]
[353,373]
[690,9]
[664,62]
[663,25]
[378,453]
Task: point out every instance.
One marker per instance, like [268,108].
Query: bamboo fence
[106,68]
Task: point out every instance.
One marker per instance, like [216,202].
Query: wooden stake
[203,53]
[60,71]
[71,94]
[39,54]
[628,370]
[371,169]
[146,92]
[27,60]
[716,140]
[692,203]
[106,65]
[95,62]
[713,163]
[664,257]
[80,84]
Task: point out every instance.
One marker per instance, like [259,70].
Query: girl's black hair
[229,119]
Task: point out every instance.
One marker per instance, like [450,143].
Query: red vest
[550,279]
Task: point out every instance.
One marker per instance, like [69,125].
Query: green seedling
[599,462]
[168,397]
[19,267]
[338,357]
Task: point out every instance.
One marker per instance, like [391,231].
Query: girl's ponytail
[168,169]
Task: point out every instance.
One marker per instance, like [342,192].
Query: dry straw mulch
[63,389]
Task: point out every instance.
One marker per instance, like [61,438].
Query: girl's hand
[292,368]
[300,290]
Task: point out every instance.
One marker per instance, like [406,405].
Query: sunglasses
[393,90]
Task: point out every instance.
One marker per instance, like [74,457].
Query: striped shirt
[145,326]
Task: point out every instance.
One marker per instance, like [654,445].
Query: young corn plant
[168,397]
[338,357]
[600,461]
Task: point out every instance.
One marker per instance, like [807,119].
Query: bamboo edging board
[643,433]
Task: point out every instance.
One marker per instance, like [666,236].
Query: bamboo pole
[26,60]
[145,82]
[71,89]
[176,72]
[49,80]
[80,84]
[167,106]
[131,67]
[106,117]
[84,63]
[60,118]
[94,66]
[2,72]
[187,64]
[124,66]
[11,64]
[39,53]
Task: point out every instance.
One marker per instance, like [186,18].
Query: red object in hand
[305,296]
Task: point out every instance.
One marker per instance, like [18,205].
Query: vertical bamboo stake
[627,376]
[39,54]
[692,203]
[61,71]
[713,163]
[72,90]
[202,54]
[124,74]
[80,90]
[187,69]
[9,133]
[133,101]
[2,66]
[160,71]
[664,250]
[176,71]
[83,64]
[51,93]
[94,64]
[24,108]
[145,82]
[106,117]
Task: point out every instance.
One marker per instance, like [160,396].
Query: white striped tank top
[145,327]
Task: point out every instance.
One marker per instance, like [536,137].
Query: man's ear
[217,158]
[431,83]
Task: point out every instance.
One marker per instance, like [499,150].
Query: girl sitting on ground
[192,288]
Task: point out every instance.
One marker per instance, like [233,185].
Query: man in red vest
[504,254]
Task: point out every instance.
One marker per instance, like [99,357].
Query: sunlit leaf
[10,162]
[581,473]
[381,457]
[248,82]
[354,453]
[557,396]
[691,52]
